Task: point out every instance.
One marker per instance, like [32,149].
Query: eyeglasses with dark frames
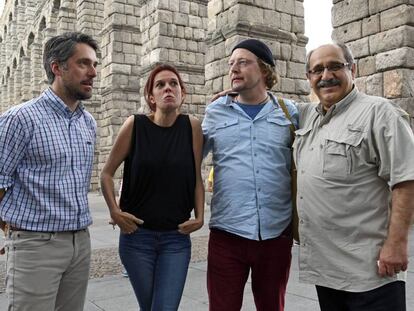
[332,67]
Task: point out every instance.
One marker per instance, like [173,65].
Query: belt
[13,228]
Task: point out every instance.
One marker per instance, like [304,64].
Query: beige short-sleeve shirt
[348,160]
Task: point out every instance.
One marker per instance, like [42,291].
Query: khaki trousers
[47,271]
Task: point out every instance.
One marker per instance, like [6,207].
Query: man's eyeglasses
[241,63]
[332,67]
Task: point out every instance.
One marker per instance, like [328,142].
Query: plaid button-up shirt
[46,157]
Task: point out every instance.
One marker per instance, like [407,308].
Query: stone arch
[16,3]
[30,39]
[42,24]
[5,30]
[7,73]
[10,17]
[22,53]
[14,63]
[56,4]
[1,39]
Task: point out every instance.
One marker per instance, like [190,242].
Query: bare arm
[127,222]
[195,224]
[393,256]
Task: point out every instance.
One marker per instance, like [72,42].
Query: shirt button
[301,221]
[302,171]
[301,197]
[260,189]
[257,171]
[254,138]
[321,146]
[255,154]
[311,148]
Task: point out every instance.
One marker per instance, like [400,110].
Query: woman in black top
[162,184]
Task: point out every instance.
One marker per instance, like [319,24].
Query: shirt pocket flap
[227,123]
[279,120]
[302,131]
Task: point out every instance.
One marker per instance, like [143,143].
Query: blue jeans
[157,264]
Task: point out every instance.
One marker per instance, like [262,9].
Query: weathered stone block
[287,85]
[376,6]
[218,85]
[348,32]
[402,57]
[366,66]
[192,46]
[214,7]
[360,83]
[285,51]
[397,16]
[272,18]
[392,39]
[398,83]
[299,9]
[348,11]
[173,56]
[371,25]
[246,13]
[359,48]
[194,8]
[180,19]
[298,24]
[285,22]
[298,54]
[174,6]
[302,86]
[185,7]
[285,6]
[374,84]
[296,70]
[195,21]
[180,44]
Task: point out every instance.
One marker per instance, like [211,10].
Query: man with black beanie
[249,136]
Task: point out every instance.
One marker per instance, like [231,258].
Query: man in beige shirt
[354,153]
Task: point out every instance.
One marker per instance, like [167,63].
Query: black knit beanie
[258,48]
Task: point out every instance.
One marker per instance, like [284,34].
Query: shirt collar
[58,105]
[336,108]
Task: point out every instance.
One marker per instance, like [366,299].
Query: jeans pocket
[28,239]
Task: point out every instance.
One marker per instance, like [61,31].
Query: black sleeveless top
[159,175]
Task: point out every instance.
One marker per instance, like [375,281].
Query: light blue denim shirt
[252,160]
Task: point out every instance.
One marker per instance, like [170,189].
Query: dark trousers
[389,297]
[230,259]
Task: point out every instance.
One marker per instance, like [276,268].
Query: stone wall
[381,36]
[196,36]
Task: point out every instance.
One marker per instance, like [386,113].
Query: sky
[317,22]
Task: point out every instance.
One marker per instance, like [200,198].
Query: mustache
[328,83]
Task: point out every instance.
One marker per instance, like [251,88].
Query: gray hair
[346,51]
[60,48]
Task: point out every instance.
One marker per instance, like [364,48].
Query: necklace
[260,103]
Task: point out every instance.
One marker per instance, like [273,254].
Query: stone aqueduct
[197,36]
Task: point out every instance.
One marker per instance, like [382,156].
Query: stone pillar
[18,85]
[66,19]
[381,37]
[26,78]
[10,89]
[121,50]
[174,32]
[280,24]
[37,72]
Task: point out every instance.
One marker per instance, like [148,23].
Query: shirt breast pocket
[338,156]
[227,134]
[278,130]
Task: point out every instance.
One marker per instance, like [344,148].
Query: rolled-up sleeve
[13,144]
[395,143]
